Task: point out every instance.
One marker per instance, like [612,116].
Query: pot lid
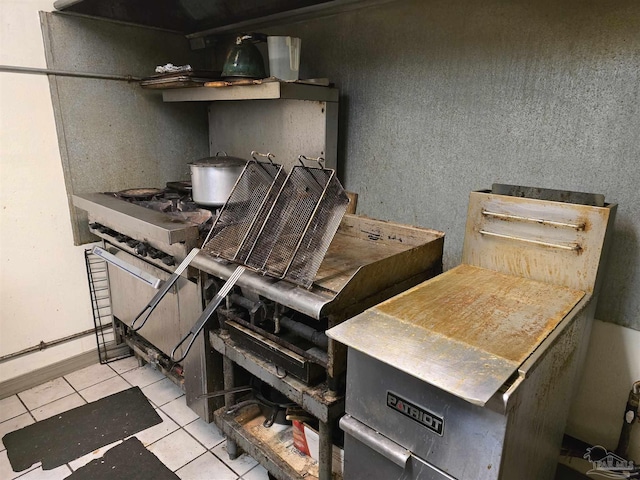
[220,161]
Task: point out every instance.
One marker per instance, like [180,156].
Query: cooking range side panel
[542,402]
[202,369]
[435,426]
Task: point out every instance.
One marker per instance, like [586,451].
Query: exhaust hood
[186,16]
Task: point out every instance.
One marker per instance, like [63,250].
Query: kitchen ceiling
[185,16]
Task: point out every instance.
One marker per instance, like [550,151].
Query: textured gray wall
[112,134]
[440,98]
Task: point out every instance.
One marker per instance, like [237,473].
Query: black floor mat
[130,460]
[72,434]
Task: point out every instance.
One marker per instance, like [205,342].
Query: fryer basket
[242,216]
[279,227]
[300,225]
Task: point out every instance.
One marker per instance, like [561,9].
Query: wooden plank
[272,447]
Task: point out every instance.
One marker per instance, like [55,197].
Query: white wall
[612,365]
[43,287]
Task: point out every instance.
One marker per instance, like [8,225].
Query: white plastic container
[284,57]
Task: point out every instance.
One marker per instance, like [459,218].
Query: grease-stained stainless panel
[287,128]
[112,134]
[147,224]
[549,241]
[465,331]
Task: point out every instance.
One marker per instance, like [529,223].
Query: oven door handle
[166,286]
[127,267]
[375,441]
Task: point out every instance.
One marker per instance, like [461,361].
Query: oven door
[173,316]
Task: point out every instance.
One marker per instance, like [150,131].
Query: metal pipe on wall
[42,345]
[66,73]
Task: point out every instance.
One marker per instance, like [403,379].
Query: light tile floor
[193,449]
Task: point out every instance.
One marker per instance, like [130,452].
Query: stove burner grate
[176,202]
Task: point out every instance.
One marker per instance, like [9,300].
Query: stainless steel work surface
[368,250]
[148,224]
[465,331]
[347,254]
[366,256]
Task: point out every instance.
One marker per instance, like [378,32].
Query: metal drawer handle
[127,267]
[375,441]
[573,247]
[507,216]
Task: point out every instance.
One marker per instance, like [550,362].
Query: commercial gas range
[145,234]
[272,320]
[469,375]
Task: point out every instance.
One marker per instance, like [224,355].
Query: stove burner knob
[132,242]
[121,238]
[168,260]
[142,249]
[153,253]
